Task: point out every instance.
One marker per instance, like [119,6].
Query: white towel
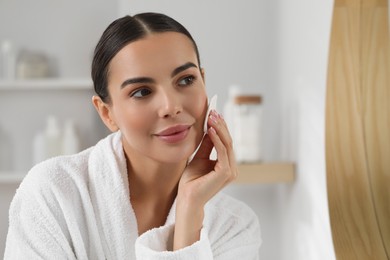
[78,207]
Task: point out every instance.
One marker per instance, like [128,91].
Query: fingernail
[213,119]
[218,115]
[212,130]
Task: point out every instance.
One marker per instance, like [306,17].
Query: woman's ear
[105,113]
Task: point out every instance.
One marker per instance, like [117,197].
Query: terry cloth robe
[78,207]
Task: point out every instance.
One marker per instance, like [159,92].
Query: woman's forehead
[167,49]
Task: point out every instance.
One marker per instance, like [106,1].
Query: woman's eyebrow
[183,68]
[150,80]
[136,80]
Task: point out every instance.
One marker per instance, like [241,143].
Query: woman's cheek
[200,108]
[134,119]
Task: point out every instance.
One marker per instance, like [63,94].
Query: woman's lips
[174,134]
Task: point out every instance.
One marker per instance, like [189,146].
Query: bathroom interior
[322,69]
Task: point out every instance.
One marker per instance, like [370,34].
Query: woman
[136,194]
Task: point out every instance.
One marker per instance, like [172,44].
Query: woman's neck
[153,189]
[152,181]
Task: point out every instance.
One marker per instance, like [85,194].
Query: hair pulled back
[122,32]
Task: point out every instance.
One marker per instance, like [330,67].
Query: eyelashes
[187,81]
[140,93]
[145,91]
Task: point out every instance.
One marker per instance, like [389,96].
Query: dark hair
[122,32]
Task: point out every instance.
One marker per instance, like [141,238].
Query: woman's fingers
[222,142]
[219,147]
[203,178]
[220,127]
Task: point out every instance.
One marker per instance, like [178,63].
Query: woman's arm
[233,233]
[201,180]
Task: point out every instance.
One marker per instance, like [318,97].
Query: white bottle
[8,60]
[247,122]
[70,140]
[39,148]
[53,142]
[228,109]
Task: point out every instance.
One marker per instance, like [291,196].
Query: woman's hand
[202,179]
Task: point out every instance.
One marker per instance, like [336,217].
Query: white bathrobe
[78,207]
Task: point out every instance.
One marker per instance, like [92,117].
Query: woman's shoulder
[57,172]
[69,174]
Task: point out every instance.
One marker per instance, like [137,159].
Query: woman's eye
[140,93]
[186,81]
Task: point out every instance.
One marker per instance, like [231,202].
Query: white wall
[299,75]
[303,43]
[66,30]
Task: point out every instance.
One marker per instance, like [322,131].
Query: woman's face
[158,97]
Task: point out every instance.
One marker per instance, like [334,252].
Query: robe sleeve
[158,242]
[238,237]
[223,237]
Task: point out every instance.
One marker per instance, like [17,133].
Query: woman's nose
[170,105]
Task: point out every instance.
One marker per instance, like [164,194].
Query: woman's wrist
[188,224]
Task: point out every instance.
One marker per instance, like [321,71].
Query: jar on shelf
[32,64]
[247,117]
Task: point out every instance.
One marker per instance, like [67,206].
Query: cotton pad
[212,106]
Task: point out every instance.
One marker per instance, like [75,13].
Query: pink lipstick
[174,134]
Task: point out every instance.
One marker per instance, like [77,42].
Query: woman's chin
[172,156]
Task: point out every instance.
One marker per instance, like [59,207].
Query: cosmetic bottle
[39,148]
[228,108]
[247,128]
[32,64]
[70,140]
[7,57]
[53,143]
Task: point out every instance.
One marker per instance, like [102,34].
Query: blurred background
[276,49]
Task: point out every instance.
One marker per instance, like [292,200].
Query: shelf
[266,173]
[248,174]
[46,84]
[11,177]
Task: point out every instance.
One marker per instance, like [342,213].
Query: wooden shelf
[248,174]
[266,173]
[46,84]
